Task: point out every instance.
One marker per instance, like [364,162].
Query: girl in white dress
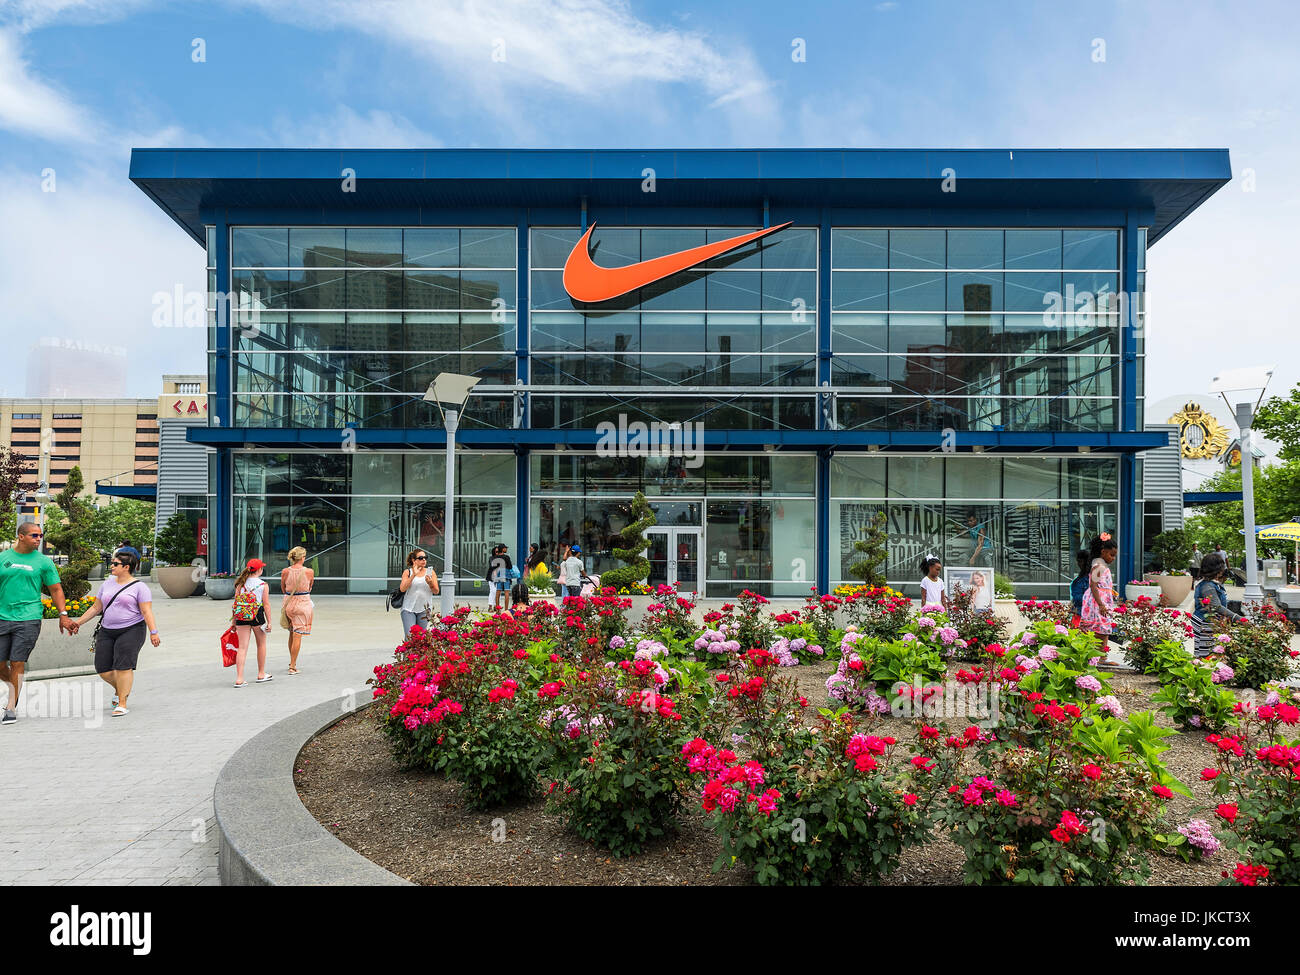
[932,591]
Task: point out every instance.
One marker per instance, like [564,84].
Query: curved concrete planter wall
[267,837]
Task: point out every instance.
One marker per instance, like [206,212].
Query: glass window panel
[916,248]
[371,289]
[975,333]
[1034,544]
[1102,286]
[975,292]
[1091,248]
[487,289]
[432,332]
[745,258]
[210,245]
[679,370]
[491,247]
[917,334]
[546,291]
[737,474]
[1032,292]
[857,476]
[431,247]
[485,474]
[789,290]
[794,474]
[915,531]
[859,291]
[432,289]
[557,333]
[915,477]
[860,248]
[860,371]
[973,477]
[1036,477]
[859,333]
[551,245]
[733,333]
[316,247]
[661,241]
[673,333]
[375,330]
[260,289]
[259,247]
[972,533]
[1033,250]
[613,246]
[793,247]
[556,473]
[481,332]
[974,249]
[374,247]
[685,292]
[785,333]
[319,474]
[261,474]
[743,531]
[737,290]
[318,289]
[425,474]
[916,291]
[1142,249]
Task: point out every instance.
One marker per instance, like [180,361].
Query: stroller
[590,586]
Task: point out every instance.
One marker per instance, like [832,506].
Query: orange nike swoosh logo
[588,282]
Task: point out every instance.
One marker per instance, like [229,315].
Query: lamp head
[450,390]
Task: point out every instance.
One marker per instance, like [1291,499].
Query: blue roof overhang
[193,186]
[740,440]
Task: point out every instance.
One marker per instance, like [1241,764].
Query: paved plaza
[115,801]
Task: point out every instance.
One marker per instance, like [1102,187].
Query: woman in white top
[420,584]
[251,580]
[932,592]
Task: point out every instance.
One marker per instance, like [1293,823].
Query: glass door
[674,556]
[657,554]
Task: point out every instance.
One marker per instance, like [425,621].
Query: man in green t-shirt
[23,572]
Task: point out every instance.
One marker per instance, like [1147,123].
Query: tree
[68,535]
[176,544]
[871,551]
[1279,420]
[628,547]
[1277,499]
[124,519]
[13,468]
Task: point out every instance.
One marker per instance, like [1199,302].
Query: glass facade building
[970,364]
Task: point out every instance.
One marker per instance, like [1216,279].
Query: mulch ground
[413,824]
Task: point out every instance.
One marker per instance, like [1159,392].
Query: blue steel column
[221,534]
[522,374]
[1130,545]
[823,546]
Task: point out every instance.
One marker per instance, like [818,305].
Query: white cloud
[32,107]
[83,263]
[591,49]
[375,129]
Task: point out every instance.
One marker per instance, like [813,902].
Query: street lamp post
[449,391]
[1244,383]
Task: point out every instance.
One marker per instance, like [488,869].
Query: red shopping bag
[229,647]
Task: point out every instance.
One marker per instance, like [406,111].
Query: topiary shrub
[629,548]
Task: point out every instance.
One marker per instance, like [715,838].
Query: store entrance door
[674,555]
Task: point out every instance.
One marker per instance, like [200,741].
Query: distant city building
[60,368]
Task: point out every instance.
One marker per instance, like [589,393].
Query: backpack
[246,606]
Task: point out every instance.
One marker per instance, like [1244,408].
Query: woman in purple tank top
[125,606]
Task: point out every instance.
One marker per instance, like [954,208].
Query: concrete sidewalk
[92,799]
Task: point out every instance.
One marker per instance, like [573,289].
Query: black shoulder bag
[99,625]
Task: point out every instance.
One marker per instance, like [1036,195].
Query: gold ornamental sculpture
[1201,436]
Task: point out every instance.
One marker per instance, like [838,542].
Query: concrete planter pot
[178,581]
[56,652]
[1133,593]
[1175,588]
[220,588]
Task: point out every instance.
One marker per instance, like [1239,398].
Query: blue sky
[82,81]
